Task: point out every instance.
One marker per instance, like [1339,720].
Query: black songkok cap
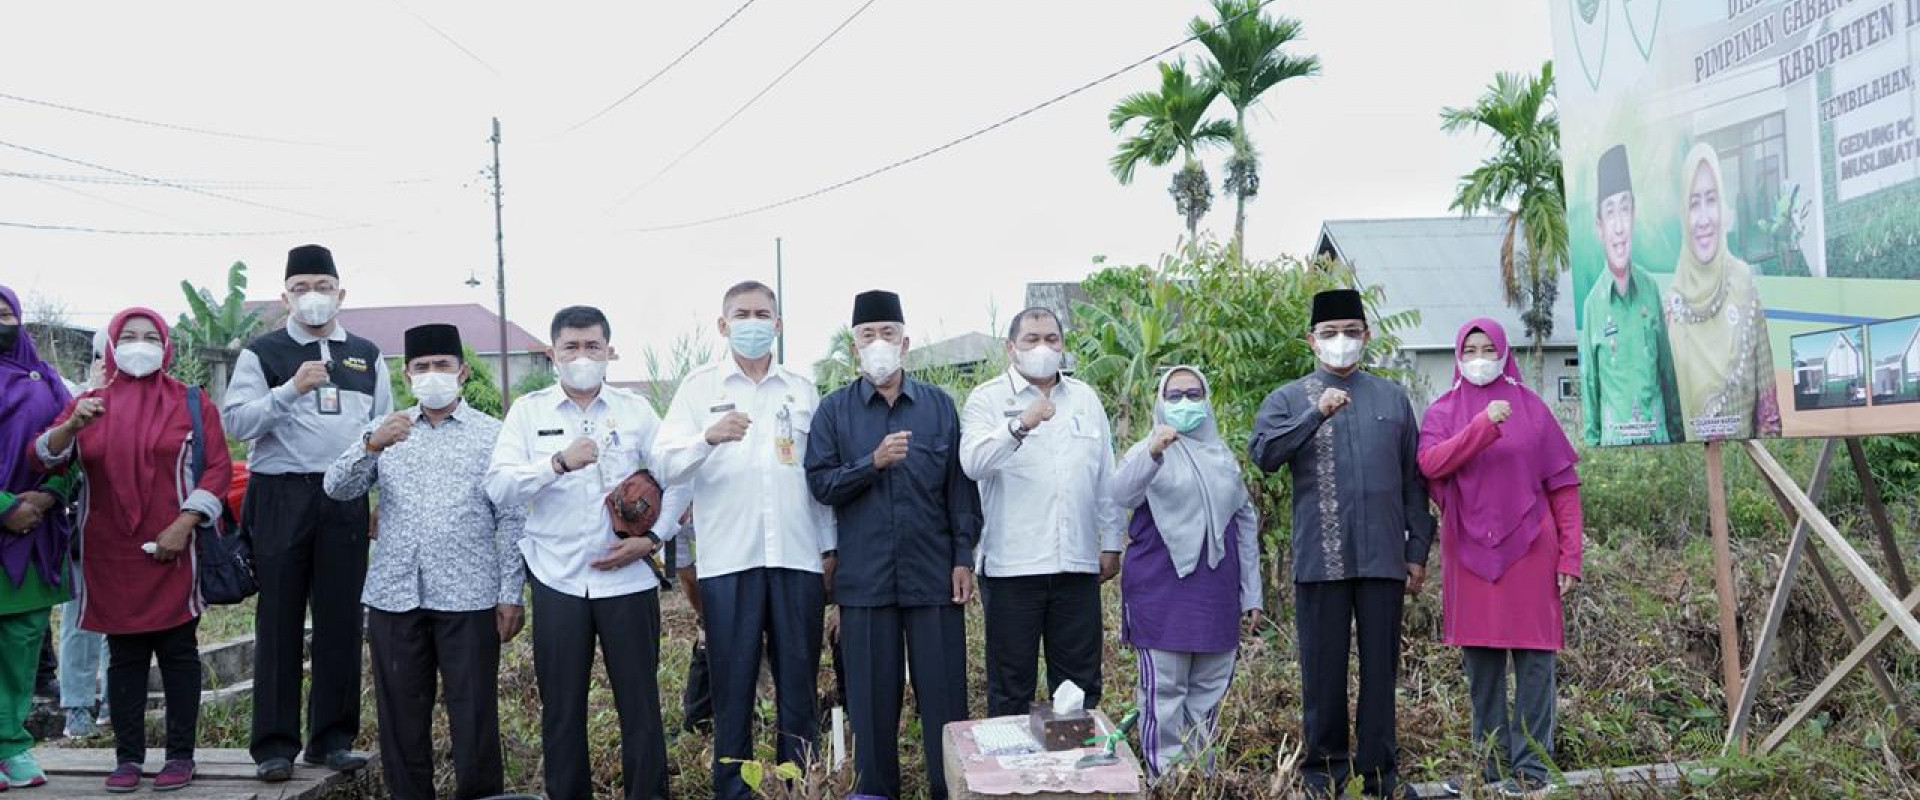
[310,259]
[877,306]
[1338,304]
[436,339]
[1614,177]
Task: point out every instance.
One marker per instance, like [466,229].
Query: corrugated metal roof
[1446,267]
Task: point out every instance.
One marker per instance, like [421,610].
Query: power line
[663,70]
[247,137]
[99,199]
[182,187]
[32,226]
[877,171]
[744,106]
[199,183]
[449,39]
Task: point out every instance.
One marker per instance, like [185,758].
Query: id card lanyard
[587,427]
[326,398]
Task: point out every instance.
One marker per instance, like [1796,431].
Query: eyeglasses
[1324,334]
[1195,393]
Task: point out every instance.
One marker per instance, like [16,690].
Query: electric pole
[780,296]
[500,277]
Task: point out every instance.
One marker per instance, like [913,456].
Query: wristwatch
[1018,427]
[655,538]
[560,464]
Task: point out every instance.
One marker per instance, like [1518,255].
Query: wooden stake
[1829,536]
[1777,609]
[1723,572]
[1882,527]
[1861,653]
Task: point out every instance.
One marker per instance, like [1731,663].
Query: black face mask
[9,334]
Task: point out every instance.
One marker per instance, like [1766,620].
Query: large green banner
[1743,202]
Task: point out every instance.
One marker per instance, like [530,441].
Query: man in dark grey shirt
[1361,533]
[300,396]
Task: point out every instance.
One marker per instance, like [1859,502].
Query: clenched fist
[1331,401]
[583,453]
[85,413]
[892,450]
[393,430]
[731,428]
[312,375]
[1037,414]
[1163,437]
[1499,411]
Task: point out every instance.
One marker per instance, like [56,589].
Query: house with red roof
[479,327]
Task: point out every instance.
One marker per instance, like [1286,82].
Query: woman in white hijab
[1192,570]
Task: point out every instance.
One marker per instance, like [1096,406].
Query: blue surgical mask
[1186,416]
[751,338]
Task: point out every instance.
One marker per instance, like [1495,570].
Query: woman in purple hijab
[35,534]
[1502,471]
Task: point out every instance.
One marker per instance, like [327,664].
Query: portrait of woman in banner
[1722,359]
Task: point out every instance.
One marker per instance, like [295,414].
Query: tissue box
[1067,731]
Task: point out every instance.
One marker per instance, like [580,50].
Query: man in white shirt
[736,436]
[1041,448]
[561,450]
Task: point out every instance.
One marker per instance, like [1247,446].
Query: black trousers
[1328,615]
[696,700]
[412,653]
[129,657]
[780,610]
[1063,609]
[933,641]
[627,628]
[310,553]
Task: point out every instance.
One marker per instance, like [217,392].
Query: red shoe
[176,775]
[125,778]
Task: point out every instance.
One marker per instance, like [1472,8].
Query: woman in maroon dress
[134,438]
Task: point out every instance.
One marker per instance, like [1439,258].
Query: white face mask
[436,390]
[1340,352]
[315,309]
[879,360]
[1482,371]
[138,359]
[583,374]
[1041,363]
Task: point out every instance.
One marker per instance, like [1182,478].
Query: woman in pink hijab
[1502,471]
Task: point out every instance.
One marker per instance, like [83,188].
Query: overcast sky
[388,102]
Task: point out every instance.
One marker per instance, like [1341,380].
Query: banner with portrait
[1743,209]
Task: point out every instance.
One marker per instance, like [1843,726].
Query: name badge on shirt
[721,409]
[552,432]
[327,399]
[1013,412]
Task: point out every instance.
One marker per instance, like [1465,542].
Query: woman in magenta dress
[1503,473]
[142,508]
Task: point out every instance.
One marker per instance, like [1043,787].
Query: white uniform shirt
[750,497]
[1046,500]
[567,523]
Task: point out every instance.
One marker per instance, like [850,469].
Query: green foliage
[211,324]
[217,324]
[533,382]
[1245,61]
[1243,323]
[666,370]
[1173,124]
[481,391]
[1523,171]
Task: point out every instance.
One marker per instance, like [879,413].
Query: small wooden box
[1060,732]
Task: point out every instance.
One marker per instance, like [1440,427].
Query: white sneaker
[80,724]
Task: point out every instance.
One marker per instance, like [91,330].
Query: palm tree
[1523,171]
[1245,46]
[1171,125]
